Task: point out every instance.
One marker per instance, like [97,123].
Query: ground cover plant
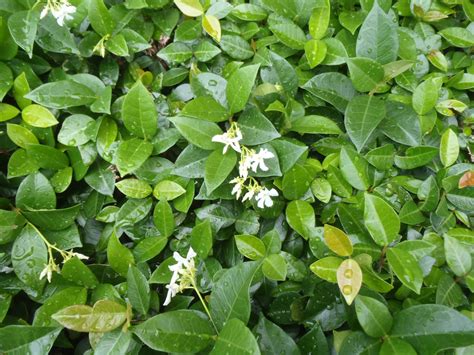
[236,177]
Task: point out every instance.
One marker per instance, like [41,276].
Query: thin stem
[205,306]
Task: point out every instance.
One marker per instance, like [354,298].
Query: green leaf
[239,87]
[74,270]
[235,338]
[35,192]
[381,220]
[192,8]
[176,52]
[321,189]
[20,339]
[139,113]
[326,268]
[168,190]
[134,188]
[64,298]
[218,167]
[402,124]
[197,132]
[335,88]
[337,241]
[138,290]
[382,157]
[53,219]
[378,38]
[319,20]
[449,148]
[395,346]
[274,340]
[148,248]
[131,154]
[406,268]
[120,257]
[296,182]
[20,135]
[362,117]
[287,31]
[7,112]
[47,157]
[105,316]
[236,47]
[228,302]
[77,130]
[100,18]
[38,116]
[251,247]
[62,94]
[115,342]
[315,125]
[458,257]
[315,51]
[6,83]
[373,316]
[458,36]
[366,73]
[255,127]
[23,26]
[416,157]
[163,218]
[300,216]
[202,239]
[205,108]
[181,331]
[29,257]
[354,168]
[275,267]
[444,328]
[425,96]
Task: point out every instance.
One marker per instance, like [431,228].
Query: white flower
[44,12]
[48,272]
[248,195]
[80,256]
[230,138]
[239,185]
[258,159]
[264,197]
[183,274]
[244,166]
[61,10]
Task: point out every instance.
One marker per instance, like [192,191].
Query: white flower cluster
[183,275]
[53,267]
[249,160]
[60,9]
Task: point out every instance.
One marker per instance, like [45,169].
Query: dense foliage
[236,177]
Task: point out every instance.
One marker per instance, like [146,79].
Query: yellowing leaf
[467,180]
[349,279]
[191,8]
[337,240]
[212,26]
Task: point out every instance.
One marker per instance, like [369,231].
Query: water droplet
[212,83]
[348,273]
[347,289]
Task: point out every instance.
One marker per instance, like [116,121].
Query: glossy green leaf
[139,112]
[240,87]
[176,331]
[381,220]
